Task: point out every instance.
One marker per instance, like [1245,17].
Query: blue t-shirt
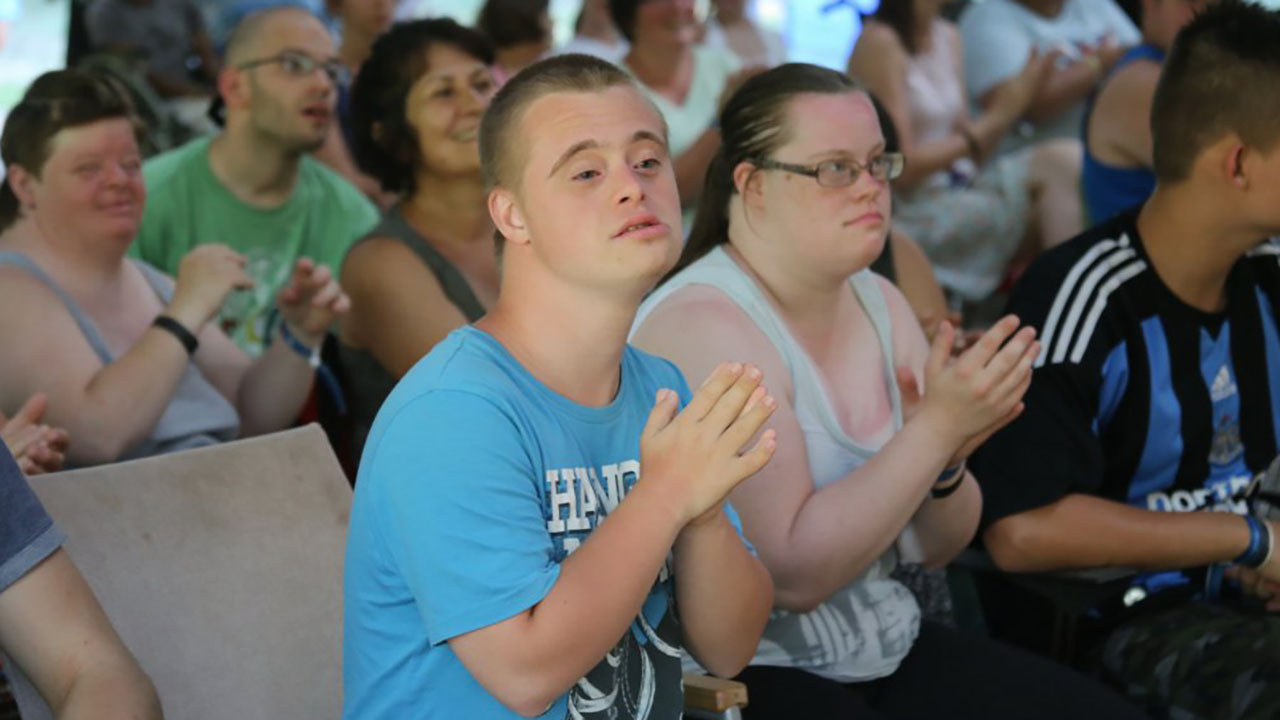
[477,481]
[27,535]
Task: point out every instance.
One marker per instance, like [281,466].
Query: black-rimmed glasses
[841,173]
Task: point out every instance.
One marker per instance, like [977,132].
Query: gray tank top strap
[158,281]
[18,260]
[455,286]
[873,301]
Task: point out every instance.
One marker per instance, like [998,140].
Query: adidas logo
[1223,386]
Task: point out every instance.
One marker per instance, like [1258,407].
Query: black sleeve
[1052,449]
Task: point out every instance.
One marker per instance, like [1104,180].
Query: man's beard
[294,144]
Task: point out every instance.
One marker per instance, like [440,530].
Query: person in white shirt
[1088,35]
[595,34]
[731,29]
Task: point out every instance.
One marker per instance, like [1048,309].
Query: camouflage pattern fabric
[1199,662]
[929,585]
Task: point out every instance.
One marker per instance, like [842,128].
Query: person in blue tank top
[1117,171]
[481,581]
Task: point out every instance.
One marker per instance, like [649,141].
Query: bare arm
[812,541]
[1120,126]
[917,282]
[724,594]
[942,527]
[1083,531]
[880,62]
[398,309]
[53,627]
[689,463]
[268,393]
[691,166]
[532,658]
[1064,88]
[107,409]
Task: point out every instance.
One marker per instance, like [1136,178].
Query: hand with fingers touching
[969,398]
[1109,53]
[1016,94]
[206,276]
[311,301]
[701,453]
[1256,584]
[37,448]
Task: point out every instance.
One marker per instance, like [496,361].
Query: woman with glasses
[429,266]
[970,209]
[867,471]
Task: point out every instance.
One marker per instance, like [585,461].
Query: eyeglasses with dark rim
[300,64]
[841,173]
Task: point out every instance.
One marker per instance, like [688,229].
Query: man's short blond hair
[500,155]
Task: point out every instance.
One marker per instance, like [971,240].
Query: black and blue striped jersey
[1136,396]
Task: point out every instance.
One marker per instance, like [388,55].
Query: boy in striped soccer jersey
[1156,398]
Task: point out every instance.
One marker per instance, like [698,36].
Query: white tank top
[865,629]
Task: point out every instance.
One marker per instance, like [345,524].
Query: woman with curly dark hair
[429,266]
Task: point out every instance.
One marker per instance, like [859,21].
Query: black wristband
[943,491]
[178,330]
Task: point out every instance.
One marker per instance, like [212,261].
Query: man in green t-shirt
[254,187]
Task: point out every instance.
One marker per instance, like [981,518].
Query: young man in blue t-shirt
[480,579]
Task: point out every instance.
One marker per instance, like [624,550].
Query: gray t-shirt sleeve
[27,533]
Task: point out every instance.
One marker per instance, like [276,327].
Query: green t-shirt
[187,206]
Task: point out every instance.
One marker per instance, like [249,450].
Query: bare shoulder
[1133,81]
[25,297]
[880,37]
[699,326]
[376,252]
[878,47]
[43,345]
[700,308]
[377,262]
[894,299]
[908,336]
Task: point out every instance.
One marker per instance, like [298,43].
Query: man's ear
[507,216]
[23,185]
[1233,165]
[233,86]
